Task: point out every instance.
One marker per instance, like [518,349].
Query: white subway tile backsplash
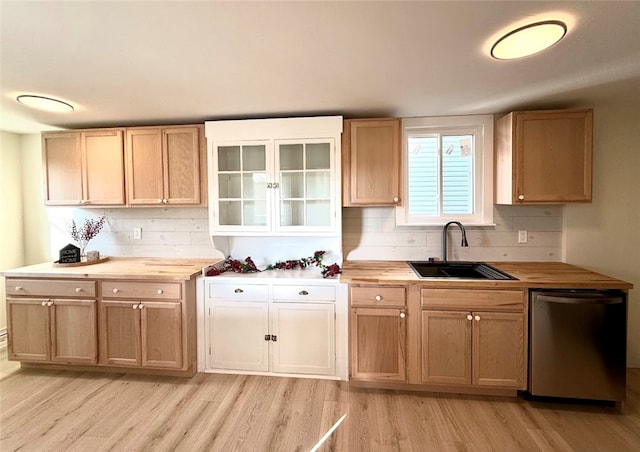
[370,233]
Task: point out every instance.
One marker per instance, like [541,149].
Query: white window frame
[481,126]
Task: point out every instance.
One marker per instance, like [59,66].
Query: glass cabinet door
[304,171]
[242,185]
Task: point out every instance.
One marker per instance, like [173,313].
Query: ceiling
[144,63]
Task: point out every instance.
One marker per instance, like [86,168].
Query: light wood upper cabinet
[544,157]
[84,168]
[378,333]
[165,165]
[371,155]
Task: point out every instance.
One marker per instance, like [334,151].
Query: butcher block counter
[118,268]
[528,274]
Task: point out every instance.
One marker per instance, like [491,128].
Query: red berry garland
[248,266]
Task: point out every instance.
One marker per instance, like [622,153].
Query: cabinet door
[103,160]
[161,332]
[28,329]
[499,349]
[242,186]
[303,338]
[236,335]
[553,157]
[181,156]
[144,166]
[74,331]
[372,164]
[62,158]
[378,344]
[446,347]
[120,333]
[304,185]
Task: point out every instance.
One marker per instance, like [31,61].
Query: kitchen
[599,235]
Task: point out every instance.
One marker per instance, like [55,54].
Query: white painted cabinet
[274,176]
[287,328]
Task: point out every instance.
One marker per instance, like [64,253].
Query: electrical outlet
[137,233]
[522,236]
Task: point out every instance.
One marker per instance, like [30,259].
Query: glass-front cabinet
[284,185]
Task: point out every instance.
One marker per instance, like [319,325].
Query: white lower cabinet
[272,328]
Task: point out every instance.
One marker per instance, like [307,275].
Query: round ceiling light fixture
[45,103]
[529,39]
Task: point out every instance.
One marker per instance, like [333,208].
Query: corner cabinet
[267,327]
[166,166]
[371,156]
[274,176]
[84,168]
[544,157]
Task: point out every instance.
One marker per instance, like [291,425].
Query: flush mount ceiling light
[529,39]
[45,103]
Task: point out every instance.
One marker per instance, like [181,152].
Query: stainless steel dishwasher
[578,344]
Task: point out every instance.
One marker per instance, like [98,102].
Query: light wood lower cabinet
[482,346]
[479,348]
[115,323]
[378,333]
[141,333]
[46,328]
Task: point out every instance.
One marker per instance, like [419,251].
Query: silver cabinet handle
[238,290]
[303,292]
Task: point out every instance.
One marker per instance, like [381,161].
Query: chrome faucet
[444,238]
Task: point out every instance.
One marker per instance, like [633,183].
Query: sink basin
[457,270]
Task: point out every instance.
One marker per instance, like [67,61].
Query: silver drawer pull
[160,291]
[238,291]
[303,292]
[116,290]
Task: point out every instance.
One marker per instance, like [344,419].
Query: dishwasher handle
[581,299]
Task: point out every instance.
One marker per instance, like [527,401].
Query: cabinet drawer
[468,299]
[240,292]
[141,290]
[378,296]
[51,288]
[304,293]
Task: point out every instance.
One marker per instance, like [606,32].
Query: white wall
[11,216]
[605,235]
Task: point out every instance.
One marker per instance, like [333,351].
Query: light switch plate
[137,233]
[522,237]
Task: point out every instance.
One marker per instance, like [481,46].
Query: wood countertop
[178,269]
[528,274]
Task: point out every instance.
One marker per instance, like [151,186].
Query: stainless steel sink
[457,270]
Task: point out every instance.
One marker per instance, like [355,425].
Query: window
[448,171]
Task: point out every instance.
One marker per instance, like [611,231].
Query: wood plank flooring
[82,411]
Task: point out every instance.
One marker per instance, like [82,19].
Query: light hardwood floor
[75,411]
